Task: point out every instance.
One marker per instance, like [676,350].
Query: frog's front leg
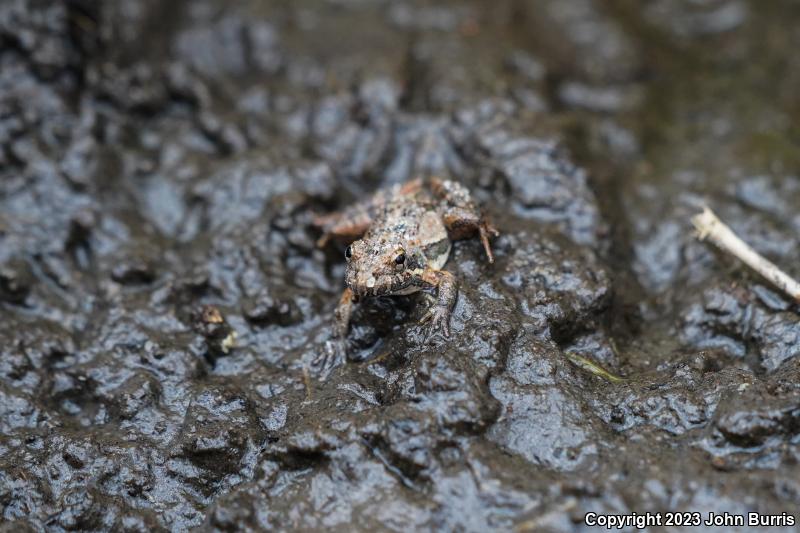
[335,349]
[446,294]
[461,215]
[341,317]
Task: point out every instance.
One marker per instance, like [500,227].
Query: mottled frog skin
[406,234]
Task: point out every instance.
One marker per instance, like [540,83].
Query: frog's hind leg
[347,225]
[351,223]
[461,215]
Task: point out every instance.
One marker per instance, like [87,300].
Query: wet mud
[163,304]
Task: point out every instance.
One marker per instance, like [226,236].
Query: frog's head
[379,268]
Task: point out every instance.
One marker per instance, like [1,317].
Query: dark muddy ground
[159,157]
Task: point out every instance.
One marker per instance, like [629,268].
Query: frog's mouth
[371,286]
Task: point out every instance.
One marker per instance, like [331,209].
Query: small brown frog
[406,234]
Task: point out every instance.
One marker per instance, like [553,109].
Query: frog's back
[414,222]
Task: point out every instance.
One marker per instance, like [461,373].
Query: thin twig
[594,368]
[307,382]
[710,227]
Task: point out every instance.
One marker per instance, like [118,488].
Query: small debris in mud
[220,337]
[592,367]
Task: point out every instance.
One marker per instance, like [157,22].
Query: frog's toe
[444,326]
[438,318]
[322,241]
[428,315]
[487,231]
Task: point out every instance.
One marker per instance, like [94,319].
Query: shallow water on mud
[160,167]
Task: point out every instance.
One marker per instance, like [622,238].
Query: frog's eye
[348,253]
[401,258]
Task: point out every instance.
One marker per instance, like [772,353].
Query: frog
[400,240]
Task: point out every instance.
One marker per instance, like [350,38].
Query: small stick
[710,227]
[307,382]
[594,368]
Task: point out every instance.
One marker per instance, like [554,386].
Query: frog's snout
[353,279]
[363,283]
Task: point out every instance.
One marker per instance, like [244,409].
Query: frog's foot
[461,215]
[486,230]
[446,293]
[323,241]
[438,317]
[325,223]
[462,224]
